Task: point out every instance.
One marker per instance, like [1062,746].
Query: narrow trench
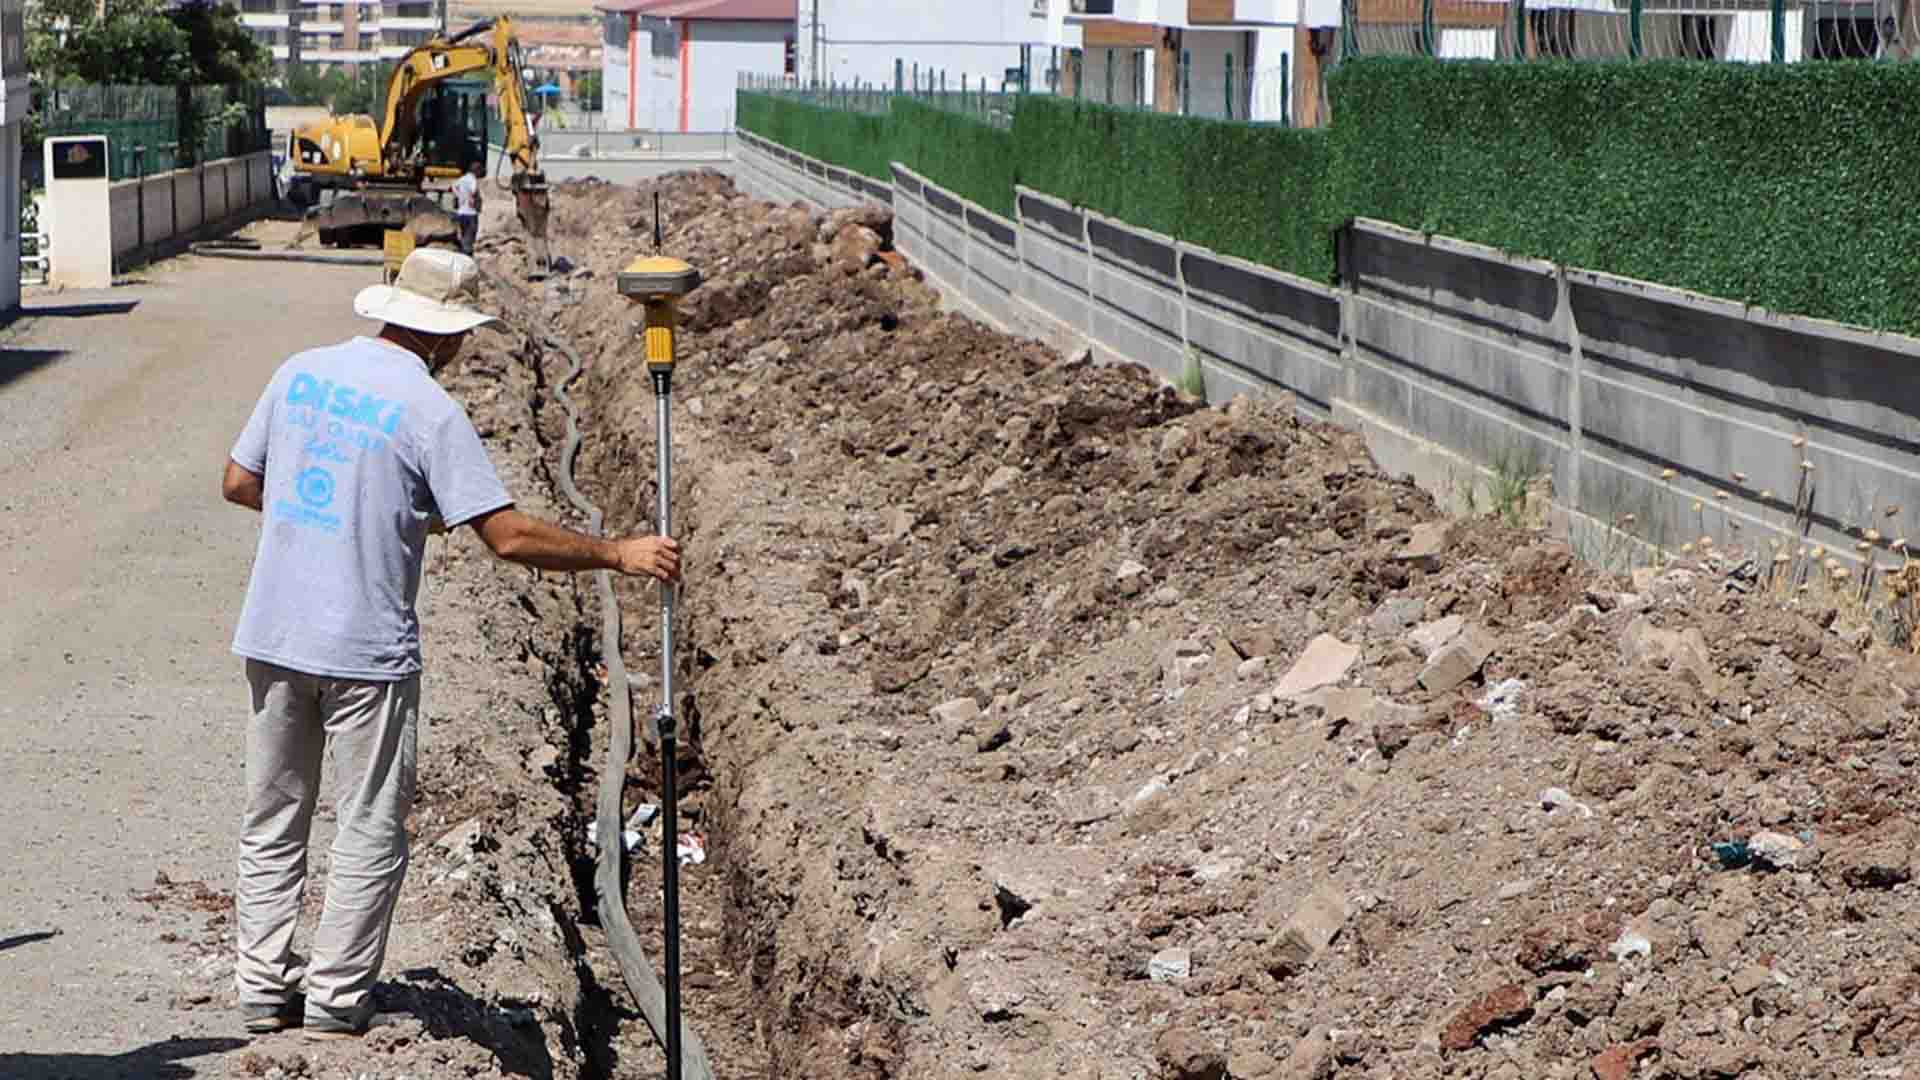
[603,1009]
[574,687]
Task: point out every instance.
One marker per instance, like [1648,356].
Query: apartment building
[354,32]
[1253,60]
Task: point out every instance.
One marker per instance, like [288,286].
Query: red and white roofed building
[673,65]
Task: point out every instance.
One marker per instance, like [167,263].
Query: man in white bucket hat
[353,454]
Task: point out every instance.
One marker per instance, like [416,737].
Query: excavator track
[359,218]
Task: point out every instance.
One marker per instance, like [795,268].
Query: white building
[1241,59]
[340,31]
[871,43]
[674,65]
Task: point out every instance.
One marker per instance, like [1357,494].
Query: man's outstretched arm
[242,486]
[525,539]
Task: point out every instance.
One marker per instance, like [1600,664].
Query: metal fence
[981,99]
[152,129]
[1751,31]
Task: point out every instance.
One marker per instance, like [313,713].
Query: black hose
[214,249]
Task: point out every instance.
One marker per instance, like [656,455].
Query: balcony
[263,21]
[347,56]
[1134,11]
[408,22]
[1187,13]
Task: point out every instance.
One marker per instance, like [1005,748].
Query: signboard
[76,212]
[79,158]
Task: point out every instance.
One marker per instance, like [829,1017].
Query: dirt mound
[1061,726]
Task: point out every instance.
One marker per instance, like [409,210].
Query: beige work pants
[370,727]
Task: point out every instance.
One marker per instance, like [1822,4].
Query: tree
[587,91]
[358,89]
[136,41]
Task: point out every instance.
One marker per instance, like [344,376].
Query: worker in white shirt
[466,205]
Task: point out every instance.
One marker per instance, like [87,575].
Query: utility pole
[813,46]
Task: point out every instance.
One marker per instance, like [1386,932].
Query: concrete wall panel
[1710,389]
[1261,328]
[122,206]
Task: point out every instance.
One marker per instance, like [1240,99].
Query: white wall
[615,99]
[860,39]
[1273,62]
[720,52]
[656,84]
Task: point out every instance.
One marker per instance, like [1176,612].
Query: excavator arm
[488,46]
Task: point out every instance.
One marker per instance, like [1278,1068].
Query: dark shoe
[267,1017]
[323,1025]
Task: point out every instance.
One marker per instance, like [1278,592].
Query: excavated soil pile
[1052,724]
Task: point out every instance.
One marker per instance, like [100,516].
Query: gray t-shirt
[360,448]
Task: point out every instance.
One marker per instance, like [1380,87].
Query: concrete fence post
[1086,252]
[1576,388]
[966,249]
[1345,278]
[140,198]
[1020,249]
[1186,300]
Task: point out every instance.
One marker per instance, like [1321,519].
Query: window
[792,65]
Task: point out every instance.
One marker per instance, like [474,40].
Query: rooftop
[707,10]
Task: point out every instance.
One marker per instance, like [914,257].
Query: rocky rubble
[1059,725]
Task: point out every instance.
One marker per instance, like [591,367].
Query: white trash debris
[1170,964]
[692,849]
[1630,944]
[1503,700]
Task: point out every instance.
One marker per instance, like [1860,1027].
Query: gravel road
[123,572]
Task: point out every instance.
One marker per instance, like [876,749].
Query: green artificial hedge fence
[1249,190]
[956,151]
[963,154]
[1792,186]
[1796,187]
[857,141]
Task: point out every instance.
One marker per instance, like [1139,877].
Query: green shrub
[1790,186]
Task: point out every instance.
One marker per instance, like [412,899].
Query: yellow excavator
[435,127]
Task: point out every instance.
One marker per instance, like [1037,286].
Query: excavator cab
[452,126]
